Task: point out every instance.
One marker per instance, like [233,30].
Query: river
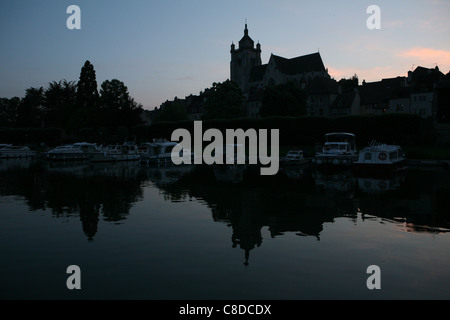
[199,232]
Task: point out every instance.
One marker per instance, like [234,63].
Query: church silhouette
[247,70]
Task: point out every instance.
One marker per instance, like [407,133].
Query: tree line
[72,106]
[225,100]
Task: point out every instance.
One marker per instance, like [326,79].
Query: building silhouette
[424,91]
[250,74]
[243,60]
[252,77]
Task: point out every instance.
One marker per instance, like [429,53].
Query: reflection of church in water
[248,206]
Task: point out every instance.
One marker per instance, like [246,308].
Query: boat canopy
[342,137]
[339,136]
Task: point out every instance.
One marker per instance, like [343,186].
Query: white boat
[160,152]
[117,152]
[9,151]
[339,149]
[294,157]
[379,159]
[79,151]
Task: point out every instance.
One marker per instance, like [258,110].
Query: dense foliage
[283,100]
[71,108]
[224,101]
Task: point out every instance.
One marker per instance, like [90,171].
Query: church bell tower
[243,60]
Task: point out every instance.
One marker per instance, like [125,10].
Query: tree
[117,108]
[30,113]
[60,103]
[9,109]
[283,100]
[223,101]
[114,95]
[87,92]
[86,99]
[172,111]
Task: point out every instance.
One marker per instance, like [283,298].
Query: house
[442,99]
[327,97]
[422,104]
[346,103]
[321,94]
[389,95]
[423,83]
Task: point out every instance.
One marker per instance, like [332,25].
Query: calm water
[198,233]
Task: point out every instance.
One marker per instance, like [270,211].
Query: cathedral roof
[308,63]
[303,64]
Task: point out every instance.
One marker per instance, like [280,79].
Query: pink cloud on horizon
[410,59]
[370,75]
[428,57]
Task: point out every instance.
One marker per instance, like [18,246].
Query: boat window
[392,155]
[368,156]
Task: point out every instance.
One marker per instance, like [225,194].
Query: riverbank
[418,156]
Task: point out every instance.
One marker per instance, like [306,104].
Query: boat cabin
[339,142]
[381,154]
[295,157]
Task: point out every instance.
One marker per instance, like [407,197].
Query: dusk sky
[174,48]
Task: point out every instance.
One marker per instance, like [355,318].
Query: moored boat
[80,151]
[377,159]
[339,149]
[160,152]
[117,152]
[9,151]
[294,157]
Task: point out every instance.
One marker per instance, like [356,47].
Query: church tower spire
[243,60]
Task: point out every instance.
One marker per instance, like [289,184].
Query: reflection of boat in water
[295,171]
[166,175]
[79,151]
[9,151]
[335,182]
[233,173]
[15,163]
[379,159]
[339,149]
[122,169]
[118,152]
[379,185]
